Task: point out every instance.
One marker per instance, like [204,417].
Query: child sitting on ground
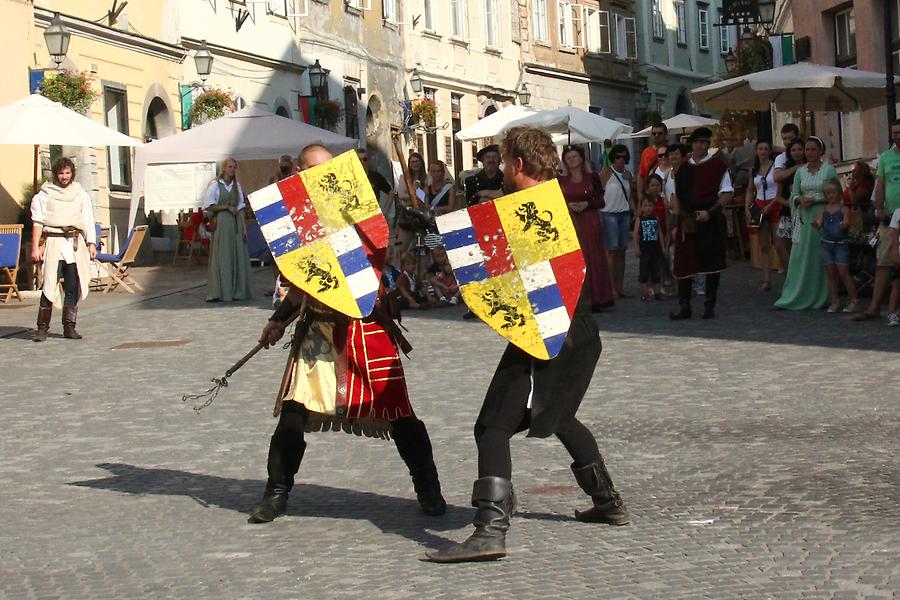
[410,291]
[834,222]
[445,285]
[648,246]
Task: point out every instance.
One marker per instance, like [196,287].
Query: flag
[327,233]
[519,265]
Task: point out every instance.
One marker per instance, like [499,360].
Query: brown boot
[69,316]
[43,323]
[608,507]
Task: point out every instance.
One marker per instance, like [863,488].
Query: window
[564,17]
[428,15]
[727,34]
[115,107]
[492,23]
[844,38]
[389,11]
[458,20]
[541,32]
[358,4]
[351,112]
[626,37]
[597,28]
[703,28]
[516,30]
[278,8]
[659,28]
[680,24]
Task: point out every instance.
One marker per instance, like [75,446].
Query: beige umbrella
[803,86]
[679,124]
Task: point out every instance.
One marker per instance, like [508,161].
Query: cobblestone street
[757,454]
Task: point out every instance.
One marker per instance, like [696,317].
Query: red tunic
[697,187]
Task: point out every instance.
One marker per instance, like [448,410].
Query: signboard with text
[735,12]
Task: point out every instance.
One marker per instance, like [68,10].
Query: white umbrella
[802,87]
[679,125]
[36,120]
[568,125]
[495,124]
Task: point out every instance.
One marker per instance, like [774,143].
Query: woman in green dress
[229,261]
[806,285]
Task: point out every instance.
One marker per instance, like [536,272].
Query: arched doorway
[282,112]
[373,117]
[490,110]
[683,104]
[351,112]
[158,122]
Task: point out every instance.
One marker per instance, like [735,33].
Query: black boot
[684,300]
[281,480]
[709,300]
[414,445]
[608,507]
[43,323]
[69,316]
[495,502]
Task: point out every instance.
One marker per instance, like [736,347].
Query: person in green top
[806,285]
[887,200]
[229,260]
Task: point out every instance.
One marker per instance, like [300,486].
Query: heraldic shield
[519,265]
[327,233]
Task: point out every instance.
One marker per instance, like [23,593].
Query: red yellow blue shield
[519,265]
[327,233]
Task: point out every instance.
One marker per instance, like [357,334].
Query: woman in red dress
[584,195]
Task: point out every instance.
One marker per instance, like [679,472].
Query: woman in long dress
[229,261]
[806,285]
[585,197]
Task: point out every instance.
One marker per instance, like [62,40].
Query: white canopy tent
[38,120]
[249,134]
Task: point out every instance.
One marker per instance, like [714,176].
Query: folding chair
[10,247]
[190,241]
[119,264]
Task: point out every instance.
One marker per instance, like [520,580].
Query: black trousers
[651,263]
[288,445]
[685,287]
[68,272]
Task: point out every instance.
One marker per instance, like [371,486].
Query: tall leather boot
[414,446]
[684,300]
[712,291]
[69,316]
[43,323]
[608,507]
[495,502]
[279,483]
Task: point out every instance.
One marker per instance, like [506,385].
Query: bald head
[312,155]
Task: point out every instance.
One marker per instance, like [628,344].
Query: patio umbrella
[679,125]
[36,120]
[803,86]
[568,125]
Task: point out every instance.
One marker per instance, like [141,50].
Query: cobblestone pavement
[757,453]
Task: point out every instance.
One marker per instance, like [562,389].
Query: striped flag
[519,265]
[327,233]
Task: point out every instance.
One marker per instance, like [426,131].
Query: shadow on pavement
[390,514]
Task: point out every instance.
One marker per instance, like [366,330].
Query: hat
[492,148]
[701,133]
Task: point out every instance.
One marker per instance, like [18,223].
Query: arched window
[282,112]
[351,112]
[490,110]
[373,117]
[159,121]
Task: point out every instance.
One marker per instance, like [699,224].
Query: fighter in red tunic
[343,375]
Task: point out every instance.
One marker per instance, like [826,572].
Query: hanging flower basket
[211,104]
[71,89]
[424,111]
[329,113]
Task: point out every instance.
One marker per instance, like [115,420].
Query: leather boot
[712,292]
[684,312]
[414,446]
[43,323]
[279,484]
[608,507]
[68,319]
[495,502]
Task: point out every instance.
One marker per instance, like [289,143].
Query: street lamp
[415,82]
[317,77]
[731,63]
[57,39]
[767,13]
[203,60]
[524,95]
[645,96]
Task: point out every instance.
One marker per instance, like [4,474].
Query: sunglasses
[662,155]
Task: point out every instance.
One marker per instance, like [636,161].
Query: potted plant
[71,89]
[424,111]
[211,104]
[329,113]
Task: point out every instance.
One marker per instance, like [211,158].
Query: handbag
[756,215]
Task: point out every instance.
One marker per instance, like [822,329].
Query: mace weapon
[222,382]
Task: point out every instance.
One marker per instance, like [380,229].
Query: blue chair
[119,264]
[10,248]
